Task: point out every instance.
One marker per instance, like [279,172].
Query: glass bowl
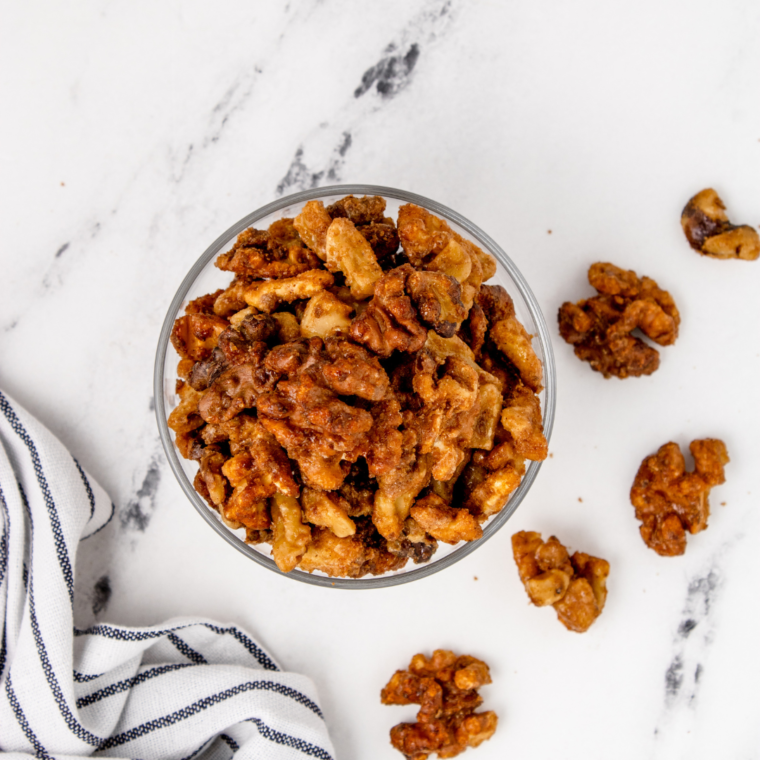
[204,277]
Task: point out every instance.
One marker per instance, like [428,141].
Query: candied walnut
[358,489]
[364,210]
[258,470]
[398,489]
[215,484]
[185,416]
[232,300]
[575,586]
[269,294]
[709,232]
[670,501]
[306,416]
[348,557]
[485,491]
[445,687]
[512,339]
[195,336]
[423,236]
[329,510]
[438,298]
[276,253]
[353,371]
[383,239]
[203,304]
[599,328]
[290,537]
[453,260]
[522,419]
[325,314]
[347,251]
[444,523]
[390,322]
[238,387]
[487,416]
[312,225]
[413,543]
[288,328]
[450,407]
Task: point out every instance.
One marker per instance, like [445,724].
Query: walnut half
[670,501]
[709,232]
[575,586]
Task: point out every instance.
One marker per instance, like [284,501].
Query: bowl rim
[548,412]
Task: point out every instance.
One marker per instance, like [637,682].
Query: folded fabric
[187,688]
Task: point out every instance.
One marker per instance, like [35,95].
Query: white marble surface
[134,133]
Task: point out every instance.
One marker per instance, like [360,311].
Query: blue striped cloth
[187,688]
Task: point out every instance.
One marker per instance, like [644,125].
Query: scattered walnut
[575,586]
[445,687]
[670,501]
[708,230]
[599,328]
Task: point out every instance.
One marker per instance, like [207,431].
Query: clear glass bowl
[204,277]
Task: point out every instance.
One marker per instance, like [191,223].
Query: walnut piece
[670,501]
[347,251]
[575,586]
[709,232]
[267,295]
[599,328]
[275,253]
[445,687]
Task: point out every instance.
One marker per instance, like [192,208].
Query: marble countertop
[135,133]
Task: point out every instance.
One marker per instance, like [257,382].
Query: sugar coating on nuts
[445,686]
[670,501]
[353,403]
[709,232]
[576,586]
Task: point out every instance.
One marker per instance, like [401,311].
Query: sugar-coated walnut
[329,510]
[599,328]
[348,556]
[445,687]
[275,253]
[290,536]
[438,298]
[670,501]
[512,339]
[444,523]
[325,314]
[195,336]
[347,251]
[708,230]
[486,490]
[383,239]
[364,210]
[522,419]
[575,586]
[390,321]
[269,294]
[312,225]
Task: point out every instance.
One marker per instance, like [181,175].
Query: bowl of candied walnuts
[355,386]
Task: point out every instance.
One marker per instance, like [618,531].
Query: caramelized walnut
[276,253]
[709,232]
[445,687]
[599,328]
[670,501]
[390,321]
[575,586]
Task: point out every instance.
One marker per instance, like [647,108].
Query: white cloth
[186,688]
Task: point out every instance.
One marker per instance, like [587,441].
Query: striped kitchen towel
[187,688]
